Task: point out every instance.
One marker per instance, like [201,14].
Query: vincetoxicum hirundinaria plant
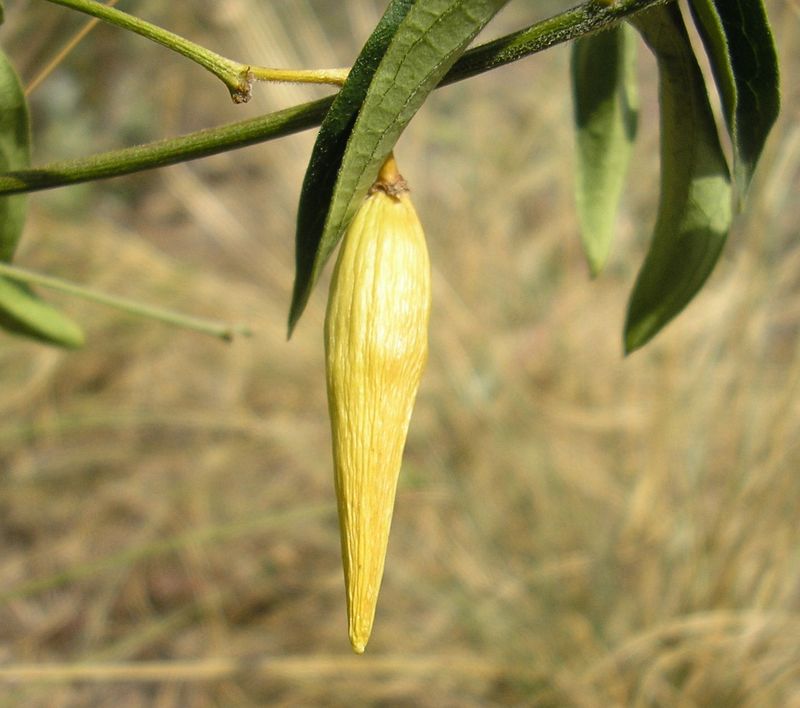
[378,308]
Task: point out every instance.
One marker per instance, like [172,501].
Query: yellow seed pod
[376,345]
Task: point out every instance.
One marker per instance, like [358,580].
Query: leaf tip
[295,311]
[74,339]
[68,334]
[630,344]
[595,264]
[638,332]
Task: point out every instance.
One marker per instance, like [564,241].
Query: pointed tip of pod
[359,624]
[359,644]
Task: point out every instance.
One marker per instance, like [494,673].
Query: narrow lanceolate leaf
[22,312]
[605,109]
[15,153]
[429,39]
[326,157]
[738,40]
[694,212]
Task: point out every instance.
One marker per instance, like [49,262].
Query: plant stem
[235,75]
[592,16]
[589,17]
[335,77]
[168,152]
[216,329]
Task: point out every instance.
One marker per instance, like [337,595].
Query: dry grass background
[572,528]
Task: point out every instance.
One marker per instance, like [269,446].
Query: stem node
[242,92]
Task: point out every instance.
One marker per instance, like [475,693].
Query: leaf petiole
[335,77]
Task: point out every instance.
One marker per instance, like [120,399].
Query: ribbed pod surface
[376,345]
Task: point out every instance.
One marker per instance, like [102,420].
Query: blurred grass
[572,528]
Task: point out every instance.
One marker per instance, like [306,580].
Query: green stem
[168,152]
[216,329]
[236,76]
[336,77]
[589,17]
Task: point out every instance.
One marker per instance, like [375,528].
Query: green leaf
[694,212]
[15,153]
[326,157]
[22,312]
[740,47]
[432,35]
[605,111]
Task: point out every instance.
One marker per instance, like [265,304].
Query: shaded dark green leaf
[739,43]
[694,212]
[22,312]
[15,153]
[605,111]
[429,39]
[326,157]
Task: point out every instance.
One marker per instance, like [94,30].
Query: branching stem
[236,76]
[232,73]
[589,17]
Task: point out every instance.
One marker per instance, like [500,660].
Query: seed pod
[376,345]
